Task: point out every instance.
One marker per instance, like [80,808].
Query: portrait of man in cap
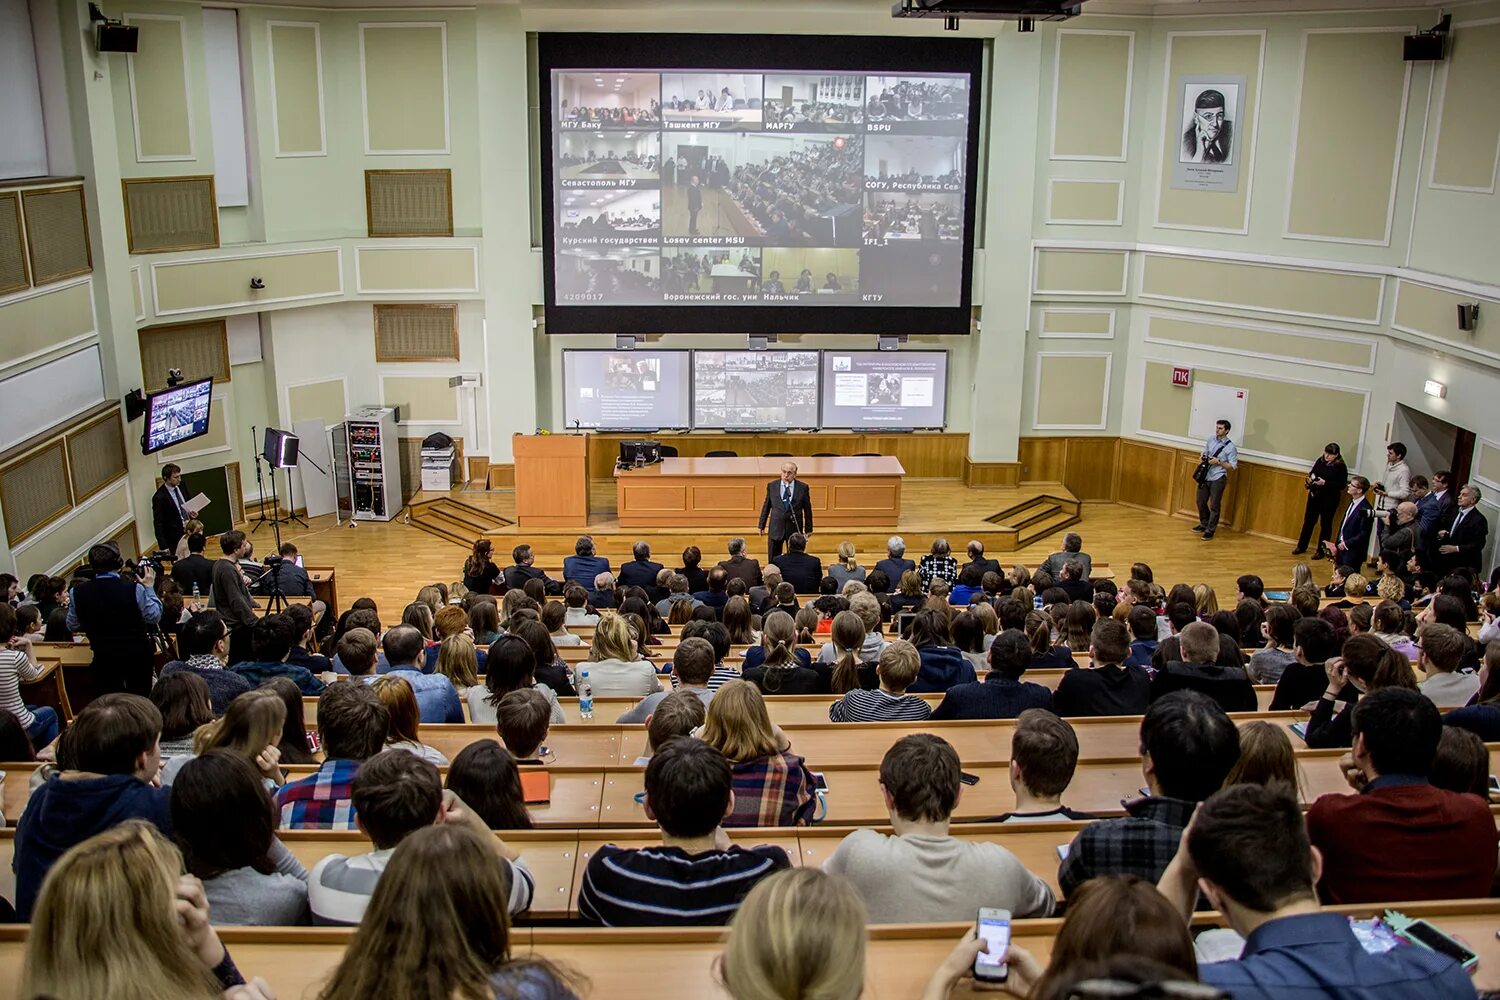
[1209,135]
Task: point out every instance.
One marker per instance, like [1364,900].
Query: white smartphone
[994,930]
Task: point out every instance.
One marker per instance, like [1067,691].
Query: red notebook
[536,787]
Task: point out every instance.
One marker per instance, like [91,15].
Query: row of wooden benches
[667,964]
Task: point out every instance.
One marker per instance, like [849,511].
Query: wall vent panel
[416,332]
[34,491]
[200,349]
[409,202]
[12,249]
[57,230]
[171,213]
[96,455]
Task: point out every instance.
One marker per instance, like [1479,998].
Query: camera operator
[284,575]
[118,616]
[231,594]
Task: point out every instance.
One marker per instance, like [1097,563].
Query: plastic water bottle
[585,696]
[196,595]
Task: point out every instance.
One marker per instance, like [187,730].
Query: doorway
[1433,444]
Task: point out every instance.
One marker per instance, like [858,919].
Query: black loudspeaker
[281,448]
[1426,47]
[1468,316]
[116,37]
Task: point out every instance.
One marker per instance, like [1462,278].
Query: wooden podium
[552,480]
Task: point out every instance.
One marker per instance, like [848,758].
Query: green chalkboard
[214,484]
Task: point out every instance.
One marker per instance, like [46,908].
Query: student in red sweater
[1400,837]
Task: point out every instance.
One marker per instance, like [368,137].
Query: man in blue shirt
[1222,457]
[584,564]
[1247,847]
[437,701]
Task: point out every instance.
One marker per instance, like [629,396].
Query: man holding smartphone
[1247,847]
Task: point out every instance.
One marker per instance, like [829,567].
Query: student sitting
[697,876]
[271,641]
[922,873]
[943,665]
[1400,838]
[18,663]
[440,905]
[352,726]
[512,667]
[1109,685]
[1002,694]
[898,667]
[107,766]
[1483,717]
[1367,664]
[717,636]
[485,777]
[1250,853]
[772,785]
[1043,757]
[117,918]
[1279,629]
[692,665]
[678,714]
[1440,650]
[405,729]
[1197,671]
[825,958]
[1188,745]
[781,667]
[251,728]
[185,704]
[226,827]
[1044,655]
[1143,635]
[301,616]
[203,642]
[396,794]
[1313,642]
[524,719]
[616,668]
[437,700]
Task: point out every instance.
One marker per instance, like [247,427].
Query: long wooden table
[728,492]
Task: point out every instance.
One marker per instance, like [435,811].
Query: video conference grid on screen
[772,188]
[756,390]
[178,414]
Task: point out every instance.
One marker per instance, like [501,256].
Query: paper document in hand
[197,504]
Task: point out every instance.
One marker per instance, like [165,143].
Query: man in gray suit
[787,509]
[1072,543]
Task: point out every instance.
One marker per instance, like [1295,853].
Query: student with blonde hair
[616,668]
[773,786]
[1205,601]
[404,733]
[897,669]
[447,880]
[799,934]
[458,660]
[251,727]
[1266,755]
[118,919]
[847,568]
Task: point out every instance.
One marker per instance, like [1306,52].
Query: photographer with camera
[1390,492]
[119,617]
[1324,485]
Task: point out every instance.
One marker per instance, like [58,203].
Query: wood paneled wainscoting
[1261,499]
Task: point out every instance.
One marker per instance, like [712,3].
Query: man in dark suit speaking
[1462,541]
[787,509]
[169,510]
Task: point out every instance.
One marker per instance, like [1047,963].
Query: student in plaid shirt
[1188,745]
[352,726]
[772,785]
[938,564]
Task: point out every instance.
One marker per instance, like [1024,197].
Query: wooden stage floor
[391,561]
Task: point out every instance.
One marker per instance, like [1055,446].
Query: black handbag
[1200,474]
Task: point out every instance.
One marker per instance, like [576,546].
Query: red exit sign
[1182,376]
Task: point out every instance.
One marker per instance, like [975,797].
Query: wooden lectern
[552,480]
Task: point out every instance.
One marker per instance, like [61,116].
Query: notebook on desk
[536,787]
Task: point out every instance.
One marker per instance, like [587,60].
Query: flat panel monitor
[755,390]
[758,183]
[885,390]
[176,415]
[606,390]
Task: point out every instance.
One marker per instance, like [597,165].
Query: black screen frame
[674,428]
[151,405]
[790,53]
[823,388]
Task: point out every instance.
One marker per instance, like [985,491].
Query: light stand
[260,490]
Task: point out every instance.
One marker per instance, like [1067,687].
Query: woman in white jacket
[615,668]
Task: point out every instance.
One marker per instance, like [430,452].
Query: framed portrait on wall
[1207,133]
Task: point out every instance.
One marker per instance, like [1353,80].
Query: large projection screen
[884,390]
[625,390]
[755,390]
[758,184]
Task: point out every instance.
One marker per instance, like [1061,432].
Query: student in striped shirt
[697,876]
[897,667]
[717,634]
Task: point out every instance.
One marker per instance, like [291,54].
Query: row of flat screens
[754,390]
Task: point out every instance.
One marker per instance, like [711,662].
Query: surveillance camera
[257,284]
